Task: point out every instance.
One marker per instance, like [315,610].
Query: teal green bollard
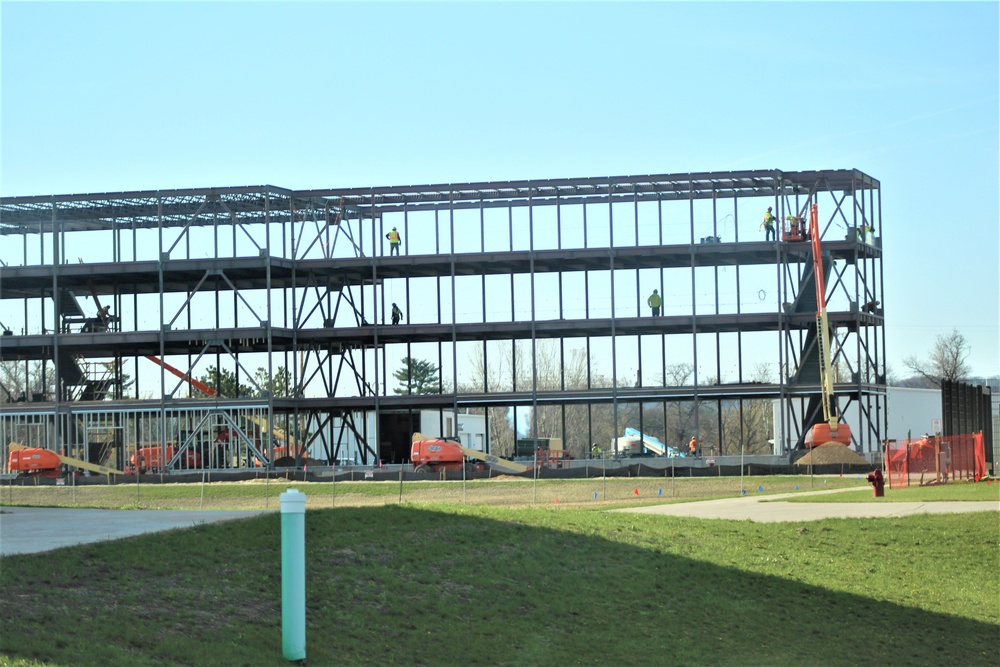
[293,574]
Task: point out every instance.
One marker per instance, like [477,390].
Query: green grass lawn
[484,585]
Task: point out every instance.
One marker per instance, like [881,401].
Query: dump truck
[437,454]
[47,463]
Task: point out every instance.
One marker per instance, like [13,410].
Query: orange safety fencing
[935,460]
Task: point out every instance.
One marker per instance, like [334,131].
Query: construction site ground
[25,530]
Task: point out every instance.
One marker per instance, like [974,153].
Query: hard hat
[393,229]
[654,291]
[768,208]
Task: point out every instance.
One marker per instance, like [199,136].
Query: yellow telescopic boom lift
[830,430]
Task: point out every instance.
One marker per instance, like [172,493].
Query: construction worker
[397,314]
[693,447]
[654,302]
[768,226]
[863,231]
[394,240]
[795,227]
[103,319]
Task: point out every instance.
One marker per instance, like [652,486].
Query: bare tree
[501,431]
[747,424]
[19,380]
[551,370]
[947,360]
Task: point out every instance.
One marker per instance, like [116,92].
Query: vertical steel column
[718,336]
[586,304]
[562,313]
[406,288]
[694,312]
[375,336]
[883,421]
[162,426]
[784,330]
[858,435]
[488,443]
[638,298]
[513,313]
[57,306]
[440,316]
[454,316]
[611,271]
[534,342]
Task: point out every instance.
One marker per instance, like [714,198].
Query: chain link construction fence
[586,483]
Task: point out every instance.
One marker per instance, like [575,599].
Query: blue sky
[103,97]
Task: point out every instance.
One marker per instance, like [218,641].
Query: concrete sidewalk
[768,509]
[25,530]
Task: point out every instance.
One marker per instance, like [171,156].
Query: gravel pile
[832,452]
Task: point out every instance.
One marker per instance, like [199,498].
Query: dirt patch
[832,452]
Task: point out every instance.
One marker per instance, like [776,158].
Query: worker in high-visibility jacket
[693,447]
[654,301]
[768,226]
[864,230]
[394,241]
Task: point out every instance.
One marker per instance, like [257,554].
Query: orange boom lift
[830,430]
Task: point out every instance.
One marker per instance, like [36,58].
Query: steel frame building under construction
[493,277]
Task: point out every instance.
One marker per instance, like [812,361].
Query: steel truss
[518,276]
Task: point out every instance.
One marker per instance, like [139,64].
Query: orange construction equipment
[440,454]
[436,454]
[34,461]
[793,229]
[156,459]
[831,430]
[47,463]
[197,384]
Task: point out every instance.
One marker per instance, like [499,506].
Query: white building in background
[910,411]
[469,428]
[913,412]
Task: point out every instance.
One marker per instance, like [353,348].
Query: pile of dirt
[832,452]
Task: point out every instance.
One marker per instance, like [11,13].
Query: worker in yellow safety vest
[863,231]
[394,241]
[768,225]
[655,302]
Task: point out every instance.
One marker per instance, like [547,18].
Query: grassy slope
[446,585]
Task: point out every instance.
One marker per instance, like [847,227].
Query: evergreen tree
[417,377]
[225,383]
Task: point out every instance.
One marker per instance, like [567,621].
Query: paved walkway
[25,530]
[767,509]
